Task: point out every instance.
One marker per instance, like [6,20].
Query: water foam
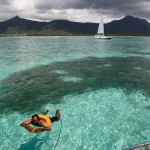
[101,119]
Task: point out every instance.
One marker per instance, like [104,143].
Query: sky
[74,10]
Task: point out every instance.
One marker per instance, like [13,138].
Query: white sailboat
[100,32]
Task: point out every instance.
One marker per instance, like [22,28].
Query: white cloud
[21,6]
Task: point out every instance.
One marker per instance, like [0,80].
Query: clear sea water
[102,88]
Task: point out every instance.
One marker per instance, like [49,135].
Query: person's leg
[46,112]
[56,117]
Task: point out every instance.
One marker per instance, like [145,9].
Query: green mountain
[126,26]
[18,26]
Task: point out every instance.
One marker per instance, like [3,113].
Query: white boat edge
[101,37]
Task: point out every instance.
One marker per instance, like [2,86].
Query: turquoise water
[101,87]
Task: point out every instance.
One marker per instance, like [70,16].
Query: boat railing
[145,145]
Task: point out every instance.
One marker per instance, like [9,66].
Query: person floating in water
[41,121]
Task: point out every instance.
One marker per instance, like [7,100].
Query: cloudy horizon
[77,11]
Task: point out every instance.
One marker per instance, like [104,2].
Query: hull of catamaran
[102,37]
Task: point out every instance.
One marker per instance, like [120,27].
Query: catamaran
[100,32]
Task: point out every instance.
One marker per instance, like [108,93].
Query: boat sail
[100,32]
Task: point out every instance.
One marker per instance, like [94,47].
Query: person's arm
[26,125]
[44,127]
[37,130]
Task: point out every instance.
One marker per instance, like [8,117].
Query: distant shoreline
[14,35]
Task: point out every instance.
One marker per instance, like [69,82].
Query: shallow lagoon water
[101,88]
